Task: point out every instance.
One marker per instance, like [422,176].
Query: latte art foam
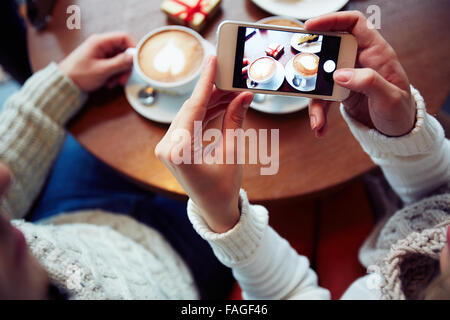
[171,56]
[306,64]
[262,69]
[170,60]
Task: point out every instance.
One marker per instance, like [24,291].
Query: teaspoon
[147,96]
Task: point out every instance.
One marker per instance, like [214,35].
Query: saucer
[274,84]
[280,104]
[302,10]
[290,76]
[311,47]
[166,106]
[276,104]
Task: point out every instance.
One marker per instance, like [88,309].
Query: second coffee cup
[306,66]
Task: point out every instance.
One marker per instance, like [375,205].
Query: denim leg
[80,181]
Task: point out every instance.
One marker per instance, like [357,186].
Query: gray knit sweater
[92,254]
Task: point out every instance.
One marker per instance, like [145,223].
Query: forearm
[264,264]
[414,164]
[31,133]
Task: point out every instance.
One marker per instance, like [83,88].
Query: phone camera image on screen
[285,61]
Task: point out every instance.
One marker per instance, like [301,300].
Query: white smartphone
[282,60]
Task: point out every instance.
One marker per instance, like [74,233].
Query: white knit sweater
[97,255]
[268,268]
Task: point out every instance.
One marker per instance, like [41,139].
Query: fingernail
[343,75]
[248,101]
[313,121]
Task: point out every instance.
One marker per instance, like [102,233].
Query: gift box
[191,13]
[275,50]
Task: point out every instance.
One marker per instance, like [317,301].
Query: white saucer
[165,108]
[303,9]
[280,104]
[311,47]
[276,82]
[276,104]
[290,76]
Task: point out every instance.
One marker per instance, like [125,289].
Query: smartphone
[282,60]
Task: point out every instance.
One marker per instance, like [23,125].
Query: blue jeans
[80,181]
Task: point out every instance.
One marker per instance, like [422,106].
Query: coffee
[306,64]
[262,69]
[171,56]
[284,23]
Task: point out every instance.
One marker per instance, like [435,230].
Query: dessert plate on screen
[166,106]
[301,9]
[314,46]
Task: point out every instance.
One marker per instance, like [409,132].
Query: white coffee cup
[298,23]
[181,87]
[266,79]
[306,82]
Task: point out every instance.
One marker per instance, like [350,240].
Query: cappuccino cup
[282,21]
[170,59]
[262,70]
[306,66]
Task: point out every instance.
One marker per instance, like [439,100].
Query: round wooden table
[110,129]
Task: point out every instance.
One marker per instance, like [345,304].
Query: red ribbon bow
[191,10]
[274,49]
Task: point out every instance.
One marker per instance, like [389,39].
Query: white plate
[279,104]
[311,47]
[275,84]
[276,104]
[165,107]
[300,9]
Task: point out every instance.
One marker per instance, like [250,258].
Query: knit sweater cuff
[426,133]
[58,96]
[238,246]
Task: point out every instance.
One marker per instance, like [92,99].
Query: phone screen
[285,61]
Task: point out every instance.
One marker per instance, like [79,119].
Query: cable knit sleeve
[263,263]
[31,133]
[414,164]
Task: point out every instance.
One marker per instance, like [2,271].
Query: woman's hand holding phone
[213,187]
[380,92]
[380,99]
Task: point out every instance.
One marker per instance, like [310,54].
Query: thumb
[366,81]
[117,64]
[236,111]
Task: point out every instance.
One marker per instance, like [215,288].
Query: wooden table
[110,129]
